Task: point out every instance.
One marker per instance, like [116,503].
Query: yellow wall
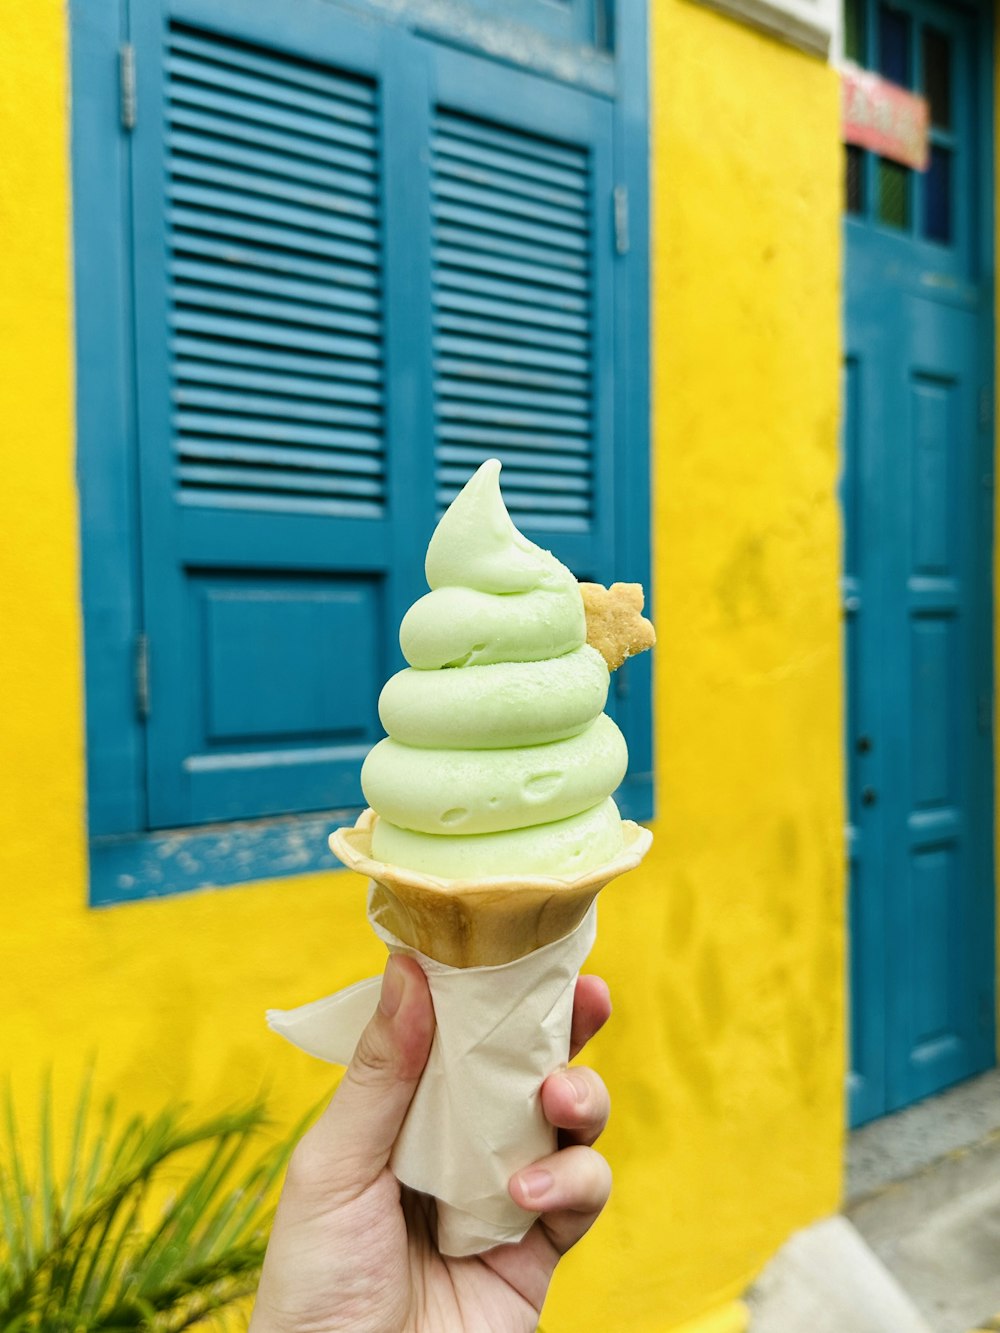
[725,954]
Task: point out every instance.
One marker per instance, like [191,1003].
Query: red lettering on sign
[880,115]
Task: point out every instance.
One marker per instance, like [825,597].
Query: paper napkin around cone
[501,958]
[476,1117]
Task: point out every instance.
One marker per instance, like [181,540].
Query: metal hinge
[126,82]
[142,675]
[620,202]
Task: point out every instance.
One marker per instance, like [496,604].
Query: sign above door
[885,118]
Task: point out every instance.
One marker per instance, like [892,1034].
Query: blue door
[917,494]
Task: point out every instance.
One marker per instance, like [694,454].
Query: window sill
[158,865]
[138,867]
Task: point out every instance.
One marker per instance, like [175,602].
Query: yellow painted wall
[725,954]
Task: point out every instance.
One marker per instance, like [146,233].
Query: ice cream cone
[481,922]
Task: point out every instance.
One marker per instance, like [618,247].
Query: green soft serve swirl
[499,760]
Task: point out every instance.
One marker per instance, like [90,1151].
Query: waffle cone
[479,922]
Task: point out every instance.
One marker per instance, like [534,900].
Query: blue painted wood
[574,41]
[293,469]
[492,183]
[158,865]
[277,525]
[917,591]
[106,469]
[633,690]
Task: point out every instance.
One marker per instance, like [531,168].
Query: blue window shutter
[527,363]
[269,560]
[362,263]
[522,311]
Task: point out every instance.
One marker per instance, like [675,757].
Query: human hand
[353,1250]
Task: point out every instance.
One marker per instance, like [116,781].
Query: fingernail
[393,983]
[577,1083]
[536,1183]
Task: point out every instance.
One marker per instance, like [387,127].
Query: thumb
[352,1140]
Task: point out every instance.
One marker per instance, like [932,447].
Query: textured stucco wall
[725,954]
[727,1056]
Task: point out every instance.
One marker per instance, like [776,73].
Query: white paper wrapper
[476,1117]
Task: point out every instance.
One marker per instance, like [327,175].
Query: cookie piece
[616,626]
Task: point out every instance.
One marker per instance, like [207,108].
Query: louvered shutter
[521,321]
[268,556]
[362,262]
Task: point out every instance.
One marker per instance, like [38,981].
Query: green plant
[84,1247]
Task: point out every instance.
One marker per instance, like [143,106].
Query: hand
[353,1250]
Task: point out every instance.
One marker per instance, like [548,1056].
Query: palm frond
[74,1252]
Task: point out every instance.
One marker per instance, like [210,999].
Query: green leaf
[81,1260]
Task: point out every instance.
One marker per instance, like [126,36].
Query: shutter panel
[275,301]
[258,167]
[521,188]
[281,539]
[513,317]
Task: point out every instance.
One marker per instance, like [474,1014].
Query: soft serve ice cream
[499,759]
[491,833]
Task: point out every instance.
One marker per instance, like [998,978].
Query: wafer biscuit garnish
[616,626]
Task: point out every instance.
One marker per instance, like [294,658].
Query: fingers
[569,1188]
[350,1143]
[576,1102]
[591,1010]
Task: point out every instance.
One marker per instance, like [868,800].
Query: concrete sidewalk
[918,1248]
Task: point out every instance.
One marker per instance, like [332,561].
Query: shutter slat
[273,335]
[276,307]
[449,321]
[529,505]
[267,89]
[299,74]
[331,316]
[482,157]
[226,255]
[452,257]
[450,388]
[506,313]
[296,149]
[302,126]
[273,479]
[574,489]
[508,203]
[195,274]
[560,423]
[346,224]
[515,459]
[512,143]
[489,350]
[531,295]
[284,387]
[477,243]
[254,428]
[261,171]
[503,182]
[280,501]
[191,350]
[487,438]
[504,224]
[271,405]
[282,239]
[317,460]
[462,370]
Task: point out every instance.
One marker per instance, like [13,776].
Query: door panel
[917,583]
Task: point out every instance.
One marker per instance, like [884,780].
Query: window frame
[127,860]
